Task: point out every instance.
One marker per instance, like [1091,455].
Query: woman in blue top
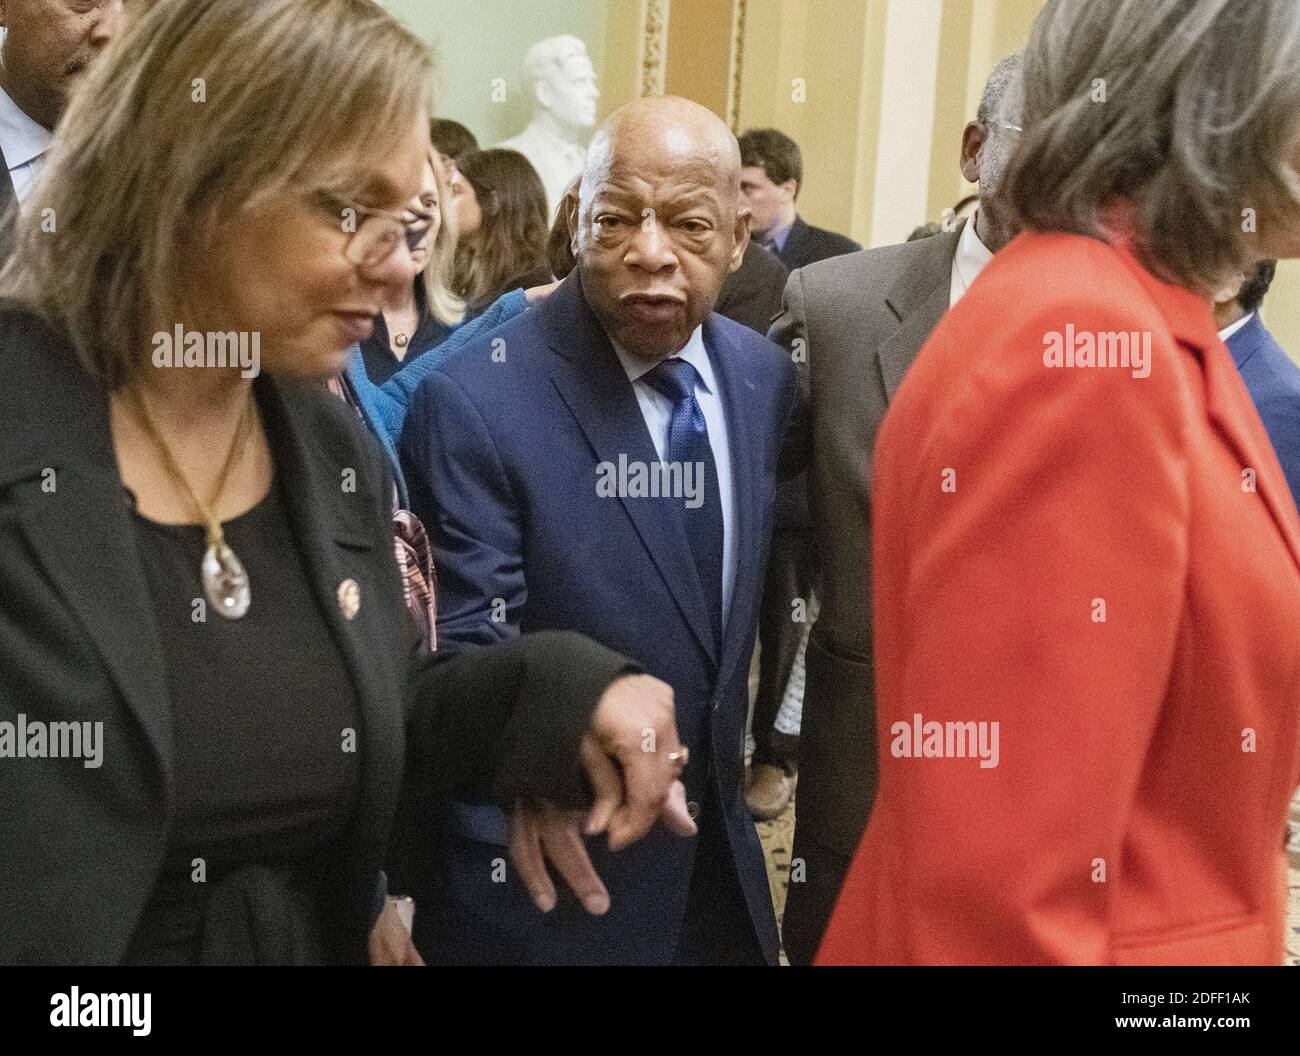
[381,397]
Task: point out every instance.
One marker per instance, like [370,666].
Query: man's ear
[569,206]
[742,238]
[972,142]
[791,187]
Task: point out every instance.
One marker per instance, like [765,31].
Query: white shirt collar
[21,138]
[693,352]
[971,258]
[1228,331]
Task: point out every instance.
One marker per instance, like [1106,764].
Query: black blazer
[751,295]
[806,244]
[80,848]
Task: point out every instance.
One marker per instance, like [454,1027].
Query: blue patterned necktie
[688,446]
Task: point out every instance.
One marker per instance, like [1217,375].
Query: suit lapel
[791,252]
[919,299]
[1227,402]
[596,389]
[738,395]
[1233,412]
[322,517]
[1248,341]
[82,535]
[81,532]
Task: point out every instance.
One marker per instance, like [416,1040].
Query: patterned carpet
[777,835]
[1293,912]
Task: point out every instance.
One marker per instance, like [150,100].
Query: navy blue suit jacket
[806,244]
[1273,380]
[501,447]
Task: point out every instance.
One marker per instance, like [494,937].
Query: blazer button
[693,809]
[349,599]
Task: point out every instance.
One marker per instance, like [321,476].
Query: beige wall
[888,86]
[699,52]
[876,92]
[1281,309]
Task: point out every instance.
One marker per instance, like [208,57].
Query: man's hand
[633,758]
[390,940]
[634,761]
[541,833]
[534,294]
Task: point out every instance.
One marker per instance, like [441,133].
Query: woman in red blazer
[1087,562]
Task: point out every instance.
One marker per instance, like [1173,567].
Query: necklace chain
[215,536]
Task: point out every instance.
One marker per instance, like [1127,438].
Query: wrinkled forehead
[681,184]
[662,155]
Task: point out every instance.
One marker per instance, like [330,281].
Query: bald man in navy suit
[607,462]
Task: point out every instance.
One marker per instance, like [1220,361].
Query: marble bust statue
[562,82]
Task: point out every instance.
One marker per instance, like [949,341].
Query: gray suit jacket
[863,317]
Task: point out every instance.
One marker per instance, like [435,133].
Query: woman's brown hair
[199,112]
[511,240]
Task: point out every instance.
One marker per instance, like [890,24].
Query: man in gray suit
[859,321]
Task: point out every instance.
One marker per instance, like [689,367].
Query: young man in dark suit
[607,461]
[771,177]
[752,293]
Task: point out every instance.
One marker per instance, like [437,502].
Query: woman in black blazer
[210,697]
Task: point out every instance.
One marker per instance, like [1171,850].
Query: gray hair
[999,107]
[1189,109]
[995,88]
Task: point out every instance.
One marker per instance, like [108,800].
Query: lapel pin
[349,598]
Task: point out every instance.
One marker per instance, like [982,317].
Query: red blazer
[1107,566]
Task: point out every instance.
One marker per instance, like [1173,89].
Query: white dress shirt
[1228,331]
[657,409]
[972,255]
[24,142]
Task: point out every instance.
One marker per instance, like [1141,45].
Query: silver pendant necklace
[224,578]
[225,581]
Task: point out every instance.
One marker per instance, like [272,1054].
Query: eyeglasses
[377,233]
